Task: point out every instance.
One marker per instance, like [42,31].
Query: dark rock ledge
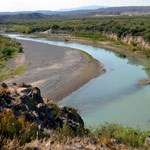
[26,100]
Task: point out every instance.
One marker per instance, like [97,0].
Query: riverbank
[9,48]
[115,46]
[58,71]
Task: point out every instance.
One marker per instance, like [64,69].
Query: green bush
[10,128]
[122,55]
[133,137]
[28,133]
[7,52]
[8,48]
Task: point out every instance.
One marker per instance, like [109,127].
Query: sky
[26,5]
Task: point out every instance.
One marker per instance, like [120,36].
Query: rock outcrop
[144,82]
[128,39]
[138,40]
[26,100]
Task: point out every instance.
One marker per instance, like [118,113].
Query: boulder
[147,142]
[36,95]
[144,82]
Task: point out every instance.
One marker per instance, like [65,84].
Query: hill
[132,10]
[93,7]
[22,16]
[80,12]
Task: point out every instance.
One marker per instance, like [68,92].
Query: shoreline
[58,71]
[120,49]
[106,45]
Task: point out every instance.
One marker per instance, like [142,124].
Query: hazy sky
[21,5]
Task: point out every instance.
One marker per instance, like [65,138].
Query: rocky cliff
[128,39]
[138,40]
[25,100]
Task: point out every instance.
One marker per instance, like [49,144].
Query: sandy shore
[57,71]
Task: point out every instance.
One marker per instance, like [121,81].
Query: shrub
[9,125]
[28,133]
[130,136]
[11,128]
[122,55]
[7,52]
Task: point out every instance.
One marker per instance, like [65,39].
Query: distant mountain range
[49,12]
[93,7]
[89,11]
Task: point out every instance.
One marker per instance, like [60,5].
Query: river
[113,97]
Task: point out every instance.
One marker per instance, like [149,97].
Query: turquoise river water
[113,97]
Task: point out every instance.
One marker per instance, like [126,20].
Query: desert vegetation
[129,32]
[8,49]
[121,26]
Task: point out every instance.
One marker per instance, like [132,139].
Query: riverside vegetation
[8,49]
[128,32]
